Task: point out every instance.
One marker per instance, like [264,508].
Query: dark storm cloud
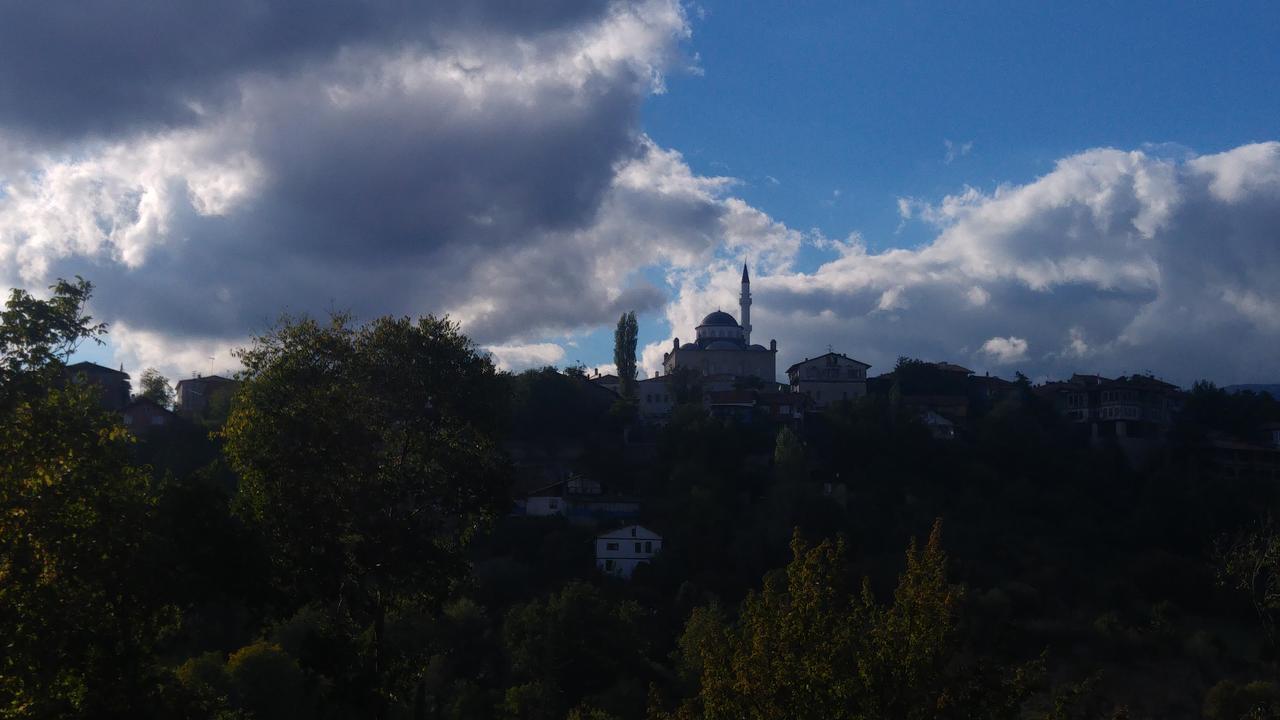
[88,67]
[468,174]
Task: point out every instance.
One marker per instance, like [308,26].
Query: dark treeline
[338,543]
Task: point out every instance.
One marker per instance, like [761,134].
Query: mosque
[723,347]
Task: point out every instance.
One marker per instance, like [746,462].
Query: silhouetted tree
[624,352]
[368,457]
[155,387]
[78,611]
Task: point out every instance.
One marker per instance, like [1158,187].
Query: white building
[829,378]
[618,552]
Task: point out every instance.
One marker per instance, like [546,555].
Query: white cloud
[956,150]
[1005,350]
[522,357]
[175,358]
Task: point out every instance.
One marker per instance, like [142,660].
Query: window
[157,419]
[128,419]
[633,532]
[608,564]
[637,547]
[611,546]
[648,546]
[554,504]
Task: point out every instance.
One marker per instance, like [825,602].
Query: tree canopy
[156,388]
[624,352]
[78,611]
[367,455]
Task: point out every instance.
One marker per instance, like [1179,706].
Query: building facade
[142,415]
[112,385]
[723,346]
[195,394]
[829,378]
[619,552]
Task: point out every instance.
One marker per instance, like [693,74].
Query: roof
[206,379]
[624,533]
[836,354]
[952,367]
[87,366]
[719,318]
[745,277]
[933,418]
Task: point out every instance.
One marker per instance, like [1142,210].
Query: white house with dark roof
[620,551]
[829,378]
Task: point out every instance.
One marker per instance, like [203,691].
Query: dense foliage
[336,540]
[624,352]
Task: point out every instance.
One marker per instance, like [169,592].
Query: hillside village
[1104,525]
[733,380]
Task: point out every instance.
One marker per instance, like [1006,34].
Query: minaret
[744,301]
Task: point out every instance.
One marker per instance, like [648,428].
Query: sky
[1015,187]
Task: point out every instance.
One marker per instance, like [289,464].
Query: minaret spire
[744,301]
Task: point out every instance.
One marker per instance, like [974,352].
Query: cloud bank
[1113,262]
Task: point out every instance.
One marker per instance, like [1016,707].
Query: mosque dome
[719,318]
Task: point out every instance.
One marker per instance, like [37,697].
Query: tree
[155,387]
[38,336]
[575,645]
[790,464]
[810,645]
[368,459]
[1249,562]
[624,352]
[78,611]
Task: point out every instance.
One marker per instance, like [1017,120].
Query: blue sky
[861,98]
[1090,185]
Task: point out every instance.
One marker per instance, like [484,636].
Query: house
[941,387]
[829,378]
[1133,413]
[1133,406]
[751,404]
[581,501]
[144,414]
[1271,434]
[939,427]
[1227,459]
[655,398]
[620,551]
[610,381]
[195,394]
[112,385]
